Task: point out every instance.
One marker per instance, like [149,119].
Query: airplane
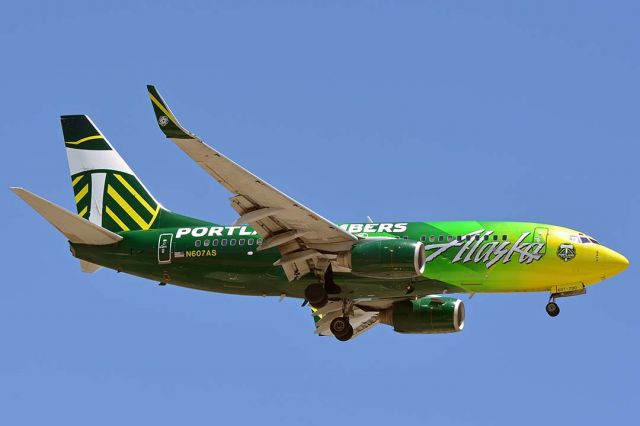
[353,275]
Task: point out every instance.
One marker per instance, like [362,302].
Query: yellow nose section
[611,262]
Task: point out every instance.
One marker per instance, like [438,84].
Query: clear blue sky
[420,111]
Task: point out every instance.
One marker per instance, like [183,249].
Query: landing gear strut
[316,295]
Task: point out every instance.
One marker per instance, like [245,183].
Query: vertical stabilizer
[107,192]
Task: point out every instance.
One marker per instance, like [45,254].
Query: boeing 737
[353,275]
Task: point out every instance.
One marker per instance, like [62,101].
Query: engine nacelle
[428,315]
[385,258]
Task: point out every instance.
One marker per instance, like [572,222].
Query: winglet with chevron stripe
[166,120]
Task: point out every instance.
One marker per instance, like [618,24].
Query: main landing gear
[341,328]
[316,295]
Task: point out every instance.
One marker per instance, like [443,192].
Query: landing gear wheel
[341,328]
[316,295]
[552,309]
[348,335]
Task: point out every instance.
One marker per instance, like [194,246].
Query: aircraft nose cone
[612,262]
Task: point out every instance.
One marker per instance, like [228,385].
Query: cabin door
[164,248]
[540,236]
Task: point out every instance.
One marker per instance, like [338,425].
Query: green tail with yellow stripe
[107,192]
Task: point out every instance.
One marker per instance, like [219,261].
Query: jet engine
[429,315]
[385,258]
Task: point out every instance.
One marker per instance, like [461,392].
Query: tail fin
[107,192]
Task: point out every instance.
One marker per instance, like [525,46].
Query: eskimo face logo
[566,252]
[163,120]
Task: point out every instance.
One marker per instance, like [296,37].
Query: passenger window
[198,242]
[459,238]
[440,238]
[233,242]
[449,238]
[241,241]
[504,238]
[468,238]
[432,238]
[250,241]
[495,238]
[259,241]
[214,243]
[423,238]
[223,242]
[206,243]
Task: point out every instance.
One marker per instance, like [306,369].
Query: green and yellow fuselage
[461,257]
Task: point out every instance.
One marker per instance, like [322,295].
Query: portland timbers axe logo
[566,252]
[163,120]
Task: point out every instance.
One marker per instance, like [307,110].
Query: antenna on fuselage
[369,219]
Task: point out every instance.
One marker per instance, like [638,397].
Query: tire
[347,335]
[316,295]
[321,303]
[340,327]
[552,309]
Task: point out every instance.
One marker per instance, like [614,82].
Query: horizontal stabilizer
[89,267]
[75,228]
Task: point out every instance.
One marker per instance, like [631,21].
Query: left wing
[307,241]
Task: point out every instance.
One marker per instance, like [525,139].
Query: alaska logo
[566,252]
[472,248]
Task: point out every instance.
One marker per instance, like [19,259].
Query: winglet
[74,227]
[165,118]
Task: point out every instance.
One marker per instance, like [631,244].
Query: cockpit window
[583,239]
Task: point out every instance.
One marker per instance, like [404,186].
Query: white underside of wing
[280,220]
[258,194]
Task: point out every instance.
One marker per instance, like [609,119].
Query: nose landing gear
[552,309]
